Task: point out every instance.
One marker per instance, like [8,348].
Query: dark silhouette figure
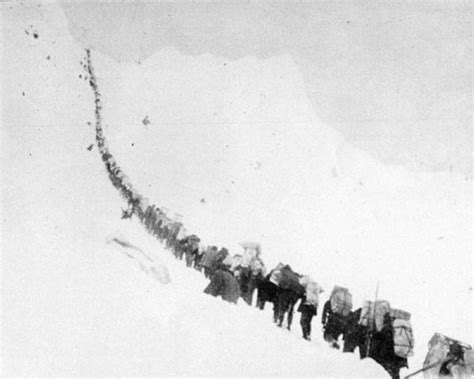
[308,311]
[224,284]
[382,349]
[333,325]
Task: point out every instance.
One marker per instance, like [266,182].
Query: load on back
[403,340]
[341,301]
[372,317]
[312,290]
[448,357]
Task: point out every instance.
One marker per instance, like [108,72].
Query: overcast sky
[394,78]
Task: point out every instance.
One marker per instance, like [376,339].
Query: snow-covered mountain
[243,137]
[236,149]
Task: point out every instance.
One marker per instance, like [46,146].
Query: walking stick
[373,321]
[424,369]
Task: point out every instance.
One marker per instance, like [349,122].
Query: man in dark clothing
[455,357]
[158,228]
[150,216]
[290,290]
[246,287]
[287,299]
[181,247]
[189,255]
[223,284]
[191,251]
[262,296]
[353,333]
[208,260]
[165,234]
[382,350]
[268,291]
[221,255]
[333,325]
[308,311]
[259,278]
[197,259]
[173,232]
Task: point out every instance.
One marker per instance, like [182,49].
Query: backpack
[256,266]
[341,301]
[228,261]
[398,313]
[370,317]
[403,341]
[275,276]
[289,280]
[438,349]
[312,293]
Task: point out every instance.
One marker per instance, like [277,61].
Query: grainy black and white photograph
[237,189]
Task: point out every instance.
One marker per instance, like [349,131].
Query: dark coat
[247,283]
[334,323]
[354,334]
[267,291]
[382,350]
[290,281]
[225,285]
[209,258]
[307,308]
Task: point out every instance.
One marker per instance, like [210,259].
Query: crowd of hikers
[378,331]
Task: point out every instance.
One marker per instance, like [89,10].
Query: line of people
[378,331]
[374,329]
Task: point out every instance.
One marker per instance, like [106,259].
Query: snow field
[72,304]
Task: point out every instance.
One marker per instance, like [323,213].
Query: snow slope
[240,135]
[74,304]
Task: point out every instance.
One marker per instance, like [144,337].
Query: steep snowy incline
[239,152]
[74,304]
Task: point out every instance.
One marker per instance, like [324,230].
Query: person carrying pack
[289,292]
[191,249]
[372,315]
[207,261]
[335,311]
[198,257]
[275,274]
[268,292]
[447,357]
[341,301]
[354,334]
[382,349]
[250,270]
[223,284]
[333,325]
[308,305]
